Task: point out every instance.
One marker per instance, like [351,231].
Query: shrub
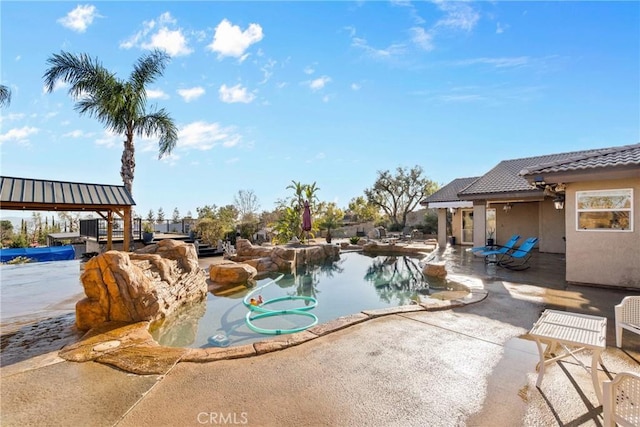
[354,240]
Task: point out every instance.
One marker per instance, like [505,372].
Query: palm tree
[120,105]
[5,95]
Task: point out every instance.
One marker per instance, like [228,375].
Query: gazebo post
[127,228]
[109,230]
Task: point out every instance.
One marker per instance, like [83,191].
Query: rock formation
[146,285]
[231,272]
[435,269]
[283,258]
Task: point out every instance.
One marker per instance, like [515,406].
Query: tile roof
[627,155]
[61,193]
[508,175]
[449,193]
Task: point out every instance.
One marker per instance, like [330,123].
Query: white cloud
[421,38]
[517,61]
[192,93]
[170,159]
[171,41]
[500,28]
[109,139]
[319,83]
[308,70]
[458,15]
[11,117]
[79,18]
[232,160]
[204,136]
[235,93]
[20,135]
[156,94]
[76,134]
[230,40]
[267,70]
[166,37]
[57,85]
[355,86]
[391,51]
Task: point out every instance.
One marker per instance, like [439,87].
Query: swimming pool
[354,283]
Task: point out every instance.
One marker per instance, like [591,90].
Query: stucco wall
[522,219]
[551,228]
[603,257]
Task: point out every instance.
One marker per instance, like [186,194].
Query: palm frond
[147,69]
[5,95]
[159,123]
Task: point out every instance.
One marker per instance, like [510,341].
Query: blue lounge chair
[518,259]
[509,245]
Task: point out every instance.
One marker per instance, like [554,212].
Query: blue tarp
[47,253]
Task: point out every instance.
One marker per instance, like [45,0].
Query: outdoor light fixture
[558,202]
[539,182]
[507,207]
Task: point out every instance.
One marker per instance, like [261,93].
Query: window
[605,210]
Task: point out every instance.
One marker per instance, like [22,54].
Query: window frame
[602,192]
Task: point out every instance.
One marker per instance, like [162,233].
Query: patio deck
[472,365]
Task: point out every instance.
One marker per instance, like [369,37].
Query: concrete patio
[468,366]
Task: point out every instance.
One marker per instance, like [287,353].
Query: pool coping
[131,347]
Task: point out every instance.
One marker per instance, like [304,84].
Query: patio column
[479,223]
[442,227]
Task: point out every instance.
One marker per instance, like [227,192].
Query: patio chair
[518,259]
[621,400]
[509,245]
[497,255]
[627,315]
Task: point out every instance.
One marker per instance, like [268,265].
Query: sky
[329,92]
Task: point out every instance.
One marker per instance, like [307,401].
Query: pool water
[354,283]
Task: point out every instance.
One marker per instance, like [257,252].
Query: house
[583,204]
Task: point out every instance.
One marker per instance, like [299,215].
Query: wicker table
[574,332]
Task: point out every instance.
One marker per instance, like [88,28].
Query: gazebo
[43,195]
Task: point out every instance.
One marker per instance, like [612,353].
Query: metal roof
[32,193]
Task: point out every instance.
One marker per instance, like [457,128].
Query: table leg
[595,357]
[540,364]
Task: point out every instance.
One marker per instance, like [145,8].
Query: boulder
[146,285]
[231,272]
[435,269]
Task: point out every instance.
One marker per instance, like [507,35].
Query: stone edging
[131,347]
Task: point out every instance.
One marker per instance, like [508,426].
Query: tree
[5,96]
[302,192]
[176,215]
[71,220]
[362,210]
[6,231]
[120,105]
[151,216]
[330,218]
[246,203]
[215,223]
[400,194]
[160,217]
